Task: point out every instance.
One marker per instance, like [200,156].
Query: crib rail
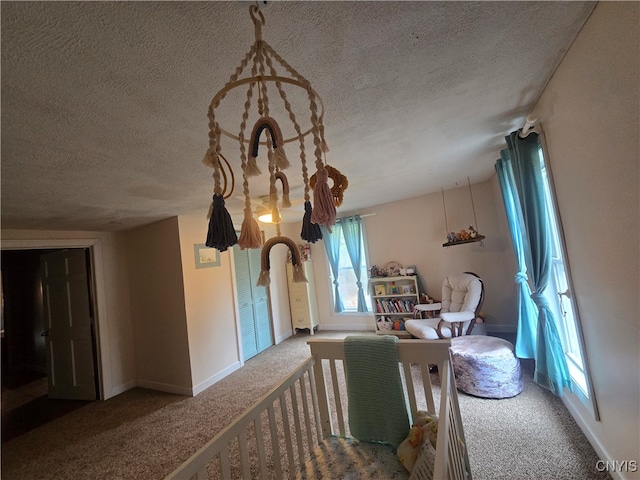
[452,461]
[415,357]
[270,440]
[280,431]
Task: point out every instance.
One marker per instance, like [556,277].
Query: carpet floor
[145,434]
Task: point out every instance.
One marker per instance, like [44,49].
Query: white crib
[283,434]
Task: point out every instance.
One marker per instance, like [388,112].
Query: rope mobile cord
[262,79]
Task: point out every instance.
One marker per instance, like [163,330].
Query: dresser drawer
[298,321]
[300,299]
[299,311]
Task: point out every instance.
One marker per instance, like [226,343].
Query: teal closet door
[253,303]
[260,303]
[245,303]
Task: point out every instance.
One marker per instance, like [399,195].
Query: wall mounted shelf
[479,238]
[463,236]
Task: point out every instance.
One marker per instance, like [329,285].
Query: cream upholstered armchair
[462,298]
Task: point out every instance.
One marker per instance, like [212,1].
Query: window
[345,249]
[559,296]
[347,279]
[543,277]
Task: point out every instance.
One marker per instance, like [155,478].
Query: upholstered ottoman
[486,366]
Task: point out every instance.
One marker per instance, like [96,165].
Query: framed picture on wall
[206,257]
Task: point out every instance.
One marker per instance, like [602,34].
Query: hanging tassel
[286,203]
[208,159]
[265,264]
[324,212]
[298,274]
[221,234]
[310,231]
[250,235]
[280,158]
[264,279]
[252,169]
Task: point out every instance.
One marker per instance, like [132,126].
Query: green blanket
[377,404]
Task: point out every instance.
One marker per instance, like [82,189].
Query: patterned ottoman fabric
[486,366]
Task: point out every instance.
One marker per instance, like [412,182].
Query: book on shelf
[395,305]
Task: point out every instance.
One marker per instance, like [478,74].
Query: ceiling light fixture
[265,217]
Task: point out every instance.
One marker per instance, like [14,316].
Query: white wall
[209,306]
[589,112]
[158,308]
[115,329]
[210,302]
[412,232]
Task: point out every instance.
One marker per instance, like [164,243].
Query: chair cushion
[461,316]
[461,291]
[426,328]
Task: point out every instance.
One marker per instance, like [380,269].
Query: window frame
[586,397]
[364,279]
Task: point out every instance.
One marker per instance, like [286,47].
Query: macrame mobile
[261,72]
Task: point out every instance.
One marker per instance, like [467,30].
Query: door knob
[45,333]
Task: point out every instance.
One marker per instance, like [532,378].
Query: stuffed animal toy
[430,422]
[464,235]
[410,447]
[424,298]
[425,427]
[472,232]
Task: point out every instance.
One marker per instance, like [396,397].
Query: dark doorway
[25,401]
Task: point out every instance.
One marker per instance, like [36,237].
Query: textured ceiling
[104,104]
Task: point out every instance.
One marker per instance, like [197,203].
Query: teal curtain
[331,240]
[352,231]
[551,369]
[527,310]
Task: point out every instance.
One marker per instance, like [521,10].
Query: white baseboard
[117,390]
[165,387]
[570,401]
[283,337]
[215,378]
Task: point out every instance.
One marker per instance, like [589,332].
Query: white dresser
[302,300]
